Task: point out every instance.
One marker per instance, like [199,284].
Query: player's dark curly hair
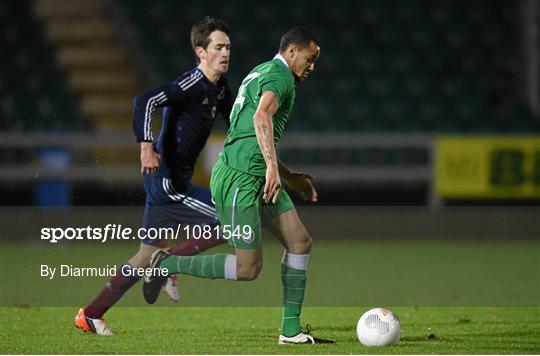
[200,32]
[299,36]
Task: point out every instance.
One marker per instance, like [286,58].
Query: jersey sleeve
[276,82]
[144,105]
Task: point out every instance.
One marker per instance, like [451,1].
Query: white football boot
[303,337]
[171,288]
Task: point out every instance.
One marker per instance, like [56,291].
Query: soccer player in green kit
[246,187]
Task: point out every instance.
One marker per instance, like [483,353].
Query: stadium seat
[36,93]
[386,66]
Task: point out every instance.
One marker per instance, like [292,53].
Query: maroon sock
[110,294]
[192,247]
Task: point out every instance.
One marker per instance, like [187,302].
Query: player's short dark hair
[299,36]
[200,32]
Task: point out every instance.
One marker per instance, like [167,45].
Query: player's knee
[301,246]
[141,259]
[248,272]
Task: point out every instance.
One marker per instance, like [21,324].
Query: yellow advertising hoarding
[488,167]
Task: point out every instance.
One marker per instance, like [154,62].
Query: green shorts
[241,210]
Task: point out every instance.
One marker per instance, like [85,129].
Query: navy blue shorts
[168,206]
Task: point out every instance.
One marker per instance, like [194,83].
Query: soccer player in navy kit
[191,104]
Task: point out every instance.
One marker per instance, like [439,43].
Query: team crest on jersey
[221,94]
[205,101]
[249,237]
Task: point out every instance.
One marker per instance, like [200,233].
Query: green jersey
[241,149]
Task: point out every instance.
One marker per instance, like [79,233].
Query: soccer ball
[378,327]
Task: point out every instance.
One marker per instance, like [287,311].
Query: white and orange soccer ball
[378,327]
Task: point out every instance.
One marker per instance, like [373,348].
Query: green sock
[294,284]
[205,266]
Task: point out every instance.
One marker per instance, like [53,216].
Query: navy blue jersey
[191,104]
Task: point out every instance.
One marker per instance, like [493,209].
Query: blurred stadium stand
[34,93]
[386,66]
[392,75]
[94,57]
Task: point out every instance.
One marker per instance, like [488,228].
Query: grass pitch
[342,273]
[425,283]
[139,330]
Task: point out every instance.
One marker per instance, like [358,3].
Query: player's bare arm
[301,183]
[150,159]
[284,171]
[264,129]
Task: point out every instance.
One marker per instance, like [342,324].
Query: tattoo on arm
[267,151]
